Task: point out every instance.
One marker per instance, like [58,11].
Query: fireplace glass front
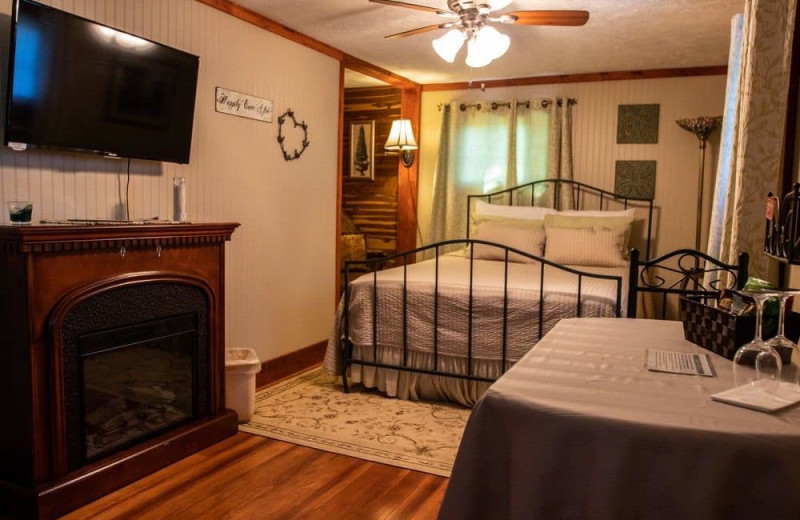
[136,381]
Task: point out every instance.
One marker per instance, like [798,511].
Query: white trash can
[241,367]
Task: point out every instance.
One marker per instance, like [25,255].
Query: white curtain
[485,149]
[753,131]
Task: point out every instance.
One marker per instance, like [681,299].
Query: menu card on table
[679,363]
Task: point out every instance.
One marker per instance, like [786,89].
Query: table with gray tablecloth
[579,429]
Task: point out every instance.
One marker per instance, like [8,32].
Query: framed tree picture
[362,150]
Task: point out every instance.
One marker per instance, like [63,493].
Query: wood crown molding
[581,78]
[348,61]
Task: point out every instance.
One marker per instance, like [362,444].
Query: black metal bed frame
[580,192]
[681,272]
[347,346]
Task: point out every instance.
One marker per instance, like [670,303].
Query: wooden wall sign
[243,105]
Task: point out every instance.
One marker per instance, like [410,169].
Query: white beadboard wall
[281,261]
[595,147]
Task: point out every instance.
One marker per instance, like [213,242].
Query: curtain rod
[494,105]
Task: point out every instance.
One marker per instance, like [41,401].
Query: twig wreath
[281,138]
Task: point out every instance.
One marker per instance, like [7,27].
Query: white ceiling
[620,35]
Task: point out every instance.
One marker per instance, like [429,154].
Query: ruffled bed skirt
[418,387]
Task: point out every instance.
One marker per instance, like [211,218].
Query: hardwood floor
[249,477]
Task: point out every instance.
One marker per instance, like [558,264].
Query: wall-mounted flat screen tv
[79,85]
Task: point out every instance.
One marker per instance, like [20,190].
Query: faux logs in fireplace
[111,357]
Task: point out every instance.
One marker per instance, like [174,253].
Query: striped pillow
[594,246]
[526,238]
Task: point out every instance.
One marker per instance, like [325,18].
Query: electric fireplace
[112,346]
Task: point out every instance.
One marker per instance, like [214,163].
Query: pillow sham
[585,221]
[631,212]
[484,209]
[522,223]
[526,238]
[590,246]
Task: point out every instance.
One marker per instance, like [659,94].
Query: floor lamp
[702,127]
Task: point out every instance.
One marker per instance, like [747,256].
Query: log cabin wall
[372,204]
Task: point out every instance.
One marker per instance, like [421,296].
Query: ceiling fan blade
[395,3]
[412,32]
[572,18]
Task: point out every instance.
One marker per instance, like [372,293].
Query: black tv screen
[79,85]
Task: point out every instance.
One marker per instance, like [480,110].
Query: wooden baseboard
[291,363]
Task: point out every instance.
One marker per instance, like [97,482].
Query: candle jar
[19,212]
[179,199]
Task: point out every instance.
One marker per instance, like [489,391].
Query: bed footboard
[457,310]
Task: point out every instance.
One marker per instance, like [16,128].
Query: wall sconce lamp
[401,139]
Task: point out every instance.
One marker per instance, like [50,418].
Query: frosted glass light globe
[477,54]
[495,42]
[448,45]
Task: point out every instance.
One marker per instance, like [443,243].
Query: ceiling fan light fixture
[478,55]
[494,42]
[448,45]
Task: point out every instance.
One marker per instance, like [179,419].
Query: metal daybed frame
[514,196]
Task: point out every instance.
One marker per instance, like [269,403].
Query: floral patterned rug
[312,410]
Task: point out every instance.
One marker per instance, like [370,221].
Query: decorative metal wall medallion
[282,138]
[635,179]
[638,124]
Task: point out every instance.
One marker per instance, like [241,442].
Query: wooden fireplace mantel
[45,268]
[55,238]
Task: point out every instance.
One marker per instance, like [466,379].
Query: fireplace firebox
[112,344]
[136,381]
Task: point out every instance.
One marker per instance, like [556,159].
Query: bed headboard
[582,195]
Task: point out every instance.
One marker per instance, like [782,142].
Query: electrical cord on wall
[128,193]
[414,205]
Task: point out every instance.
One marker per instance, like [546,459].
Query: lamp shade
[447,46]
[401,137]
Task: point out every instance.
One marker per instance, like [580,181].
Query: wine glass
[785,347]
[767,374]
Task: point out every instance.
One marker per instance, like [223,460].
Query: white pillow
[631,212]
[483,209]
[528,239]
[602,247]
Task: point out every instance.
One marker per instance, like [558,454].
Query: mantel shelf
[55,238]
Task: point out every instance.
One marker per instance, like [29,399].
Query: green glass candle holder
[20,212]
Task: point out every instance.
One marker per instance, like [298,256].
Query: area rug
[312,410]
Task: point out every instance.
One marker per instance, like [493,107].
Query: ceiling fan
[470,21]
